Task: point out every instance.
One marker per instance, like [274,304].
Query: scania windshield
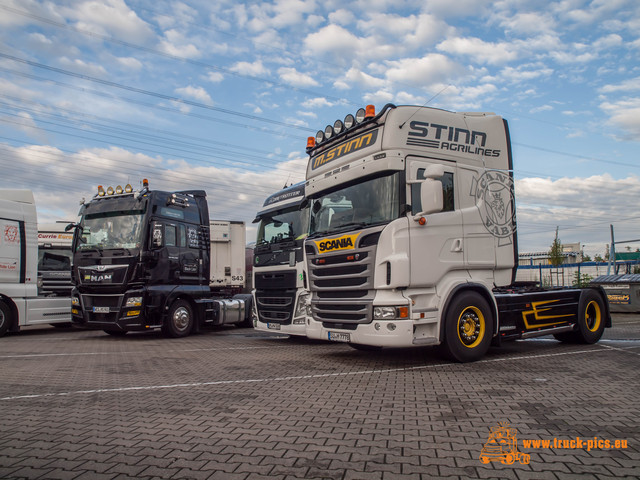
[111,230]
[283,225]
[373,201]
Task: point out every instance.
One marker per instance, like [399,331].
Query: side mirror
[431,197]
[71,226]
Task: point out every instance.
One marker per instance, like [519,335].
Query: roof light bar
[341,126]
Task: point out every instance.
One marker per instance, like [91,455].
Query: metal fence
[570,274]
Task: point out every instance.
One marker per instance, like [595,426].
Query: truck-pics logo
[502,446]
[350,146]
[494,196]
[450,138]
[346,242]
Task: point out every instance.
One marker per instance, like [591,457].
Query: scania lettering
[153,260]
[279,273]
[22,302]
[413,241]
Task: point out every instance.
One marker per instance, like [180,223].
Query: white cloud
[130,63]
[625,114]
[479,51]
[80,66]
[628,85]
[177,45]
[197,93]
[541,108]
[109,17]
[254,69]
[215,77]
[432,68]
[318,102]
[528,23]
[292,77]
[342,17]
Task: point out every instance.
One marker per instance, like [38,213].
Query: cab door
[437,246]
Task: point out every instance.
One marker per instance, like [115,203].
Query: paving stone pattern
[238,404]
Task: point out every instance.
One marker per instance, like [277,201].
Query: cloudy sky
[221,94]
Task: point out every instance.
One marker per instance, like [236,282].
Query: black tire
[591,321]
[6,318]
[179,321]
[116,333]
[468,328]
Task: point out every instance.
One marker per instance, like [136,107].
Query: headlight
[134,302]
[301,306]
[75,301]
[389,313]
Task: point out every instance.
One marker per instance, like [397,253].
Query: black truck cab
[141,261]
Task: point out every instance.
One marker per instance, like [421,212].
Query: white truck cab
[412,237]
[20,304]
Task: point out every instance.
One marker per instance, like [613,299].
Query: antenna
[424,105]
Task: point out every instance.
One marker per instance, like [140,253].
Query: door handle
[457,245]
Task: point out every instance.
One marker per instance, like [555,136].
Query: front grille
[342,284]
[111,301]
[275,305]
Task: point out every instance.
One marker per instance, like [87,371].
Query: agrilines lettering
[350,146]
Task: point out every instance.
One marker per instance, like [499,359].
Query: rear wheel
[590,317]
[5,318]
[179,321]
[468,328]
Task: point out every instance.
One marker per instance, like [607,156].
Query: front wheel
[468,328]
[179,321]
[5,318]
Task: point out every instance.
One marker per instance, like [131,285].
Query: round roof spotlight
[360,114]
[110,191]
[328,132]
[349,121]
[338,127]
[119,190]
[128,188]
[319,137]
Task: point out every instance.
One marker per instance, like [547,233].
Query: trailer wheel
[590,317]
[468,328]
[5,318]
[179,321]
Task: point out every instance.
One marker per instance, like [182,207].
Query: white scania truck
[21,303]
[279,278]
[412,238]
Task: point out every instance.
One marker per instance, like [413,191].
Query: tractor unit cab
[142,261]
[412,236]
[280,283]
[54,258]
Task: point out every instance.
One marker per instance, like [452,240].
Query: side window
[170,235]
[447,192]
[182,236]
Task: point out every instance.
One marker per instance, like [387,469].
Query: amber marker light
[370,111]
[100,191]
[145,183]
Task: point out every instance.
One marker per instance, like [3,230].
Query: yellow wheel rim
[592,316]
[471,327]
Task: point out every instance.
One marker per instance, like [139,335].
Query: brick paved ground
[235,404]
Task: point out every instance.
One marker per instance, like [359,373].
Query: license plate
[273,326]
[339,337]
[100,309]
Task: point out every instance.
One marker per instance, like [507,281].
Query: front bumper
[379,333]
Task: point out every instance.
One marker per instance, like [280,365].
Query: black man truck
[279,277]
[424,248]
[142,261]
